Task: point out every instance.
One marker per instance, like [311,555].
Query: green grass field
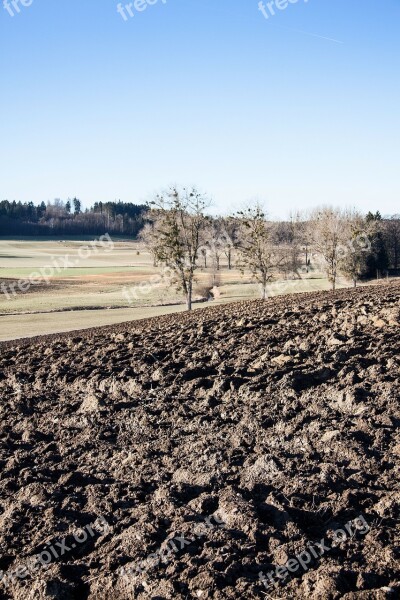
[97,282]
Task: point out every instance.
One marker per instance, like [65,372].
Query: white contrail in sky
[321,37]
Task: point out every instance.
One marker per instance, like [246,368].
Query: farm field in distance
[90,293]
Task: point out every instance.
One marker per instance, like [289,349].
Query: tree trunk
[189,297]
[355,282]
[229,261]
[264,289]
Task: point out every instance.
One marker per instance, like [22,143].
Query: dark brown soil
[279,418]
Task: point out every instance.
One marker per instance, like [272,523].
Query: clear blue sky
[206,92]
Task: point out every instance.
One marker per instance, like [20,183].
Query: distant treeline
[63,218]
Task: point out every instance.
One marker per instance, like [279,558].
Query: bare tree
[287,238]
[148,237]
[203,253]
[218,242]
[354,253]
[305,240]
[327,226]
[255,247]
[179,227]
[231,228]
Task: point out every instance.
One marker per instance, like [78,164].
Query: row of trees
[62,218]
[181,236]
